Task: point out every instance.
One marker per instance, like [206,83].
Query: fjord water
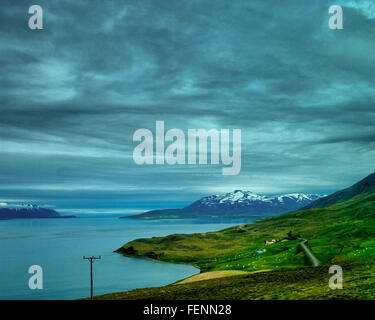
[58,245]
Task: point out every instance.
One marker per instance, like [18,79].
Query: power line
[91,259]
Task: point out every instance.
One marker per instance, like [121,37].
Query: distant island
[28,211]
[234,204]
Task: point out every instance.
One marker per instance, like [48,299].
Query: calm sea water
[58,245]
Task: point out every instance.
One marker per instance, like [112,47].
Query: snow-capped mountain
[26,211]
[19,206]
[239,202]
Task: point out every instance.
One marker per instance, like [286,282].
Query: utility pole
[91,259]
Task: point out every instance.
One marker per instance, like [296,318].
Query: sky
[73,94]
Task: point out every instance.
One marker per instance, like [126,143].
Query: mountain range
[27,211]
[238,203]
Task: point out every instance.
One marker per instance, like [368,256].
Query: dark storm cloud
[73,93]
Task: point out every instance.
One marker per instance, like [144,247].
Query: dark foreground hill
[294,283]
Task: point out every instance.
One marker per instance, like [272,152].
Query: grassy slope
[366,185]
[210,275]
[296,283]
[342,234]
[339,233]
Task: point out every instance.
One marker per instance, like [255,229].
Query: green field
[297,283]
[342,234]
[336,234]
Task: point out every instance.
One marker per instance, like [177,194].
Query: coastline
[291,262]
[159,261]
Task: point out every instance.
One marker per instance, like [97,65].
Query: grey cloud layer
[73,94]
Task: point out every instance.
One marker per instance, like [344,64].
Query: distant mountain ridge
[366,185]
[240,201]
[237,204]
[27,211]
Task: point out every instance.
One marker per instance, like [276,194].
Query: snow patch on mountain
[240,201]
[27,211]
[21,206]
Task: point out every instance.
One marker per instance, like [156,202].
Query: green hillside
[365,186]
[297,283]
[343,234]
[336,234]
